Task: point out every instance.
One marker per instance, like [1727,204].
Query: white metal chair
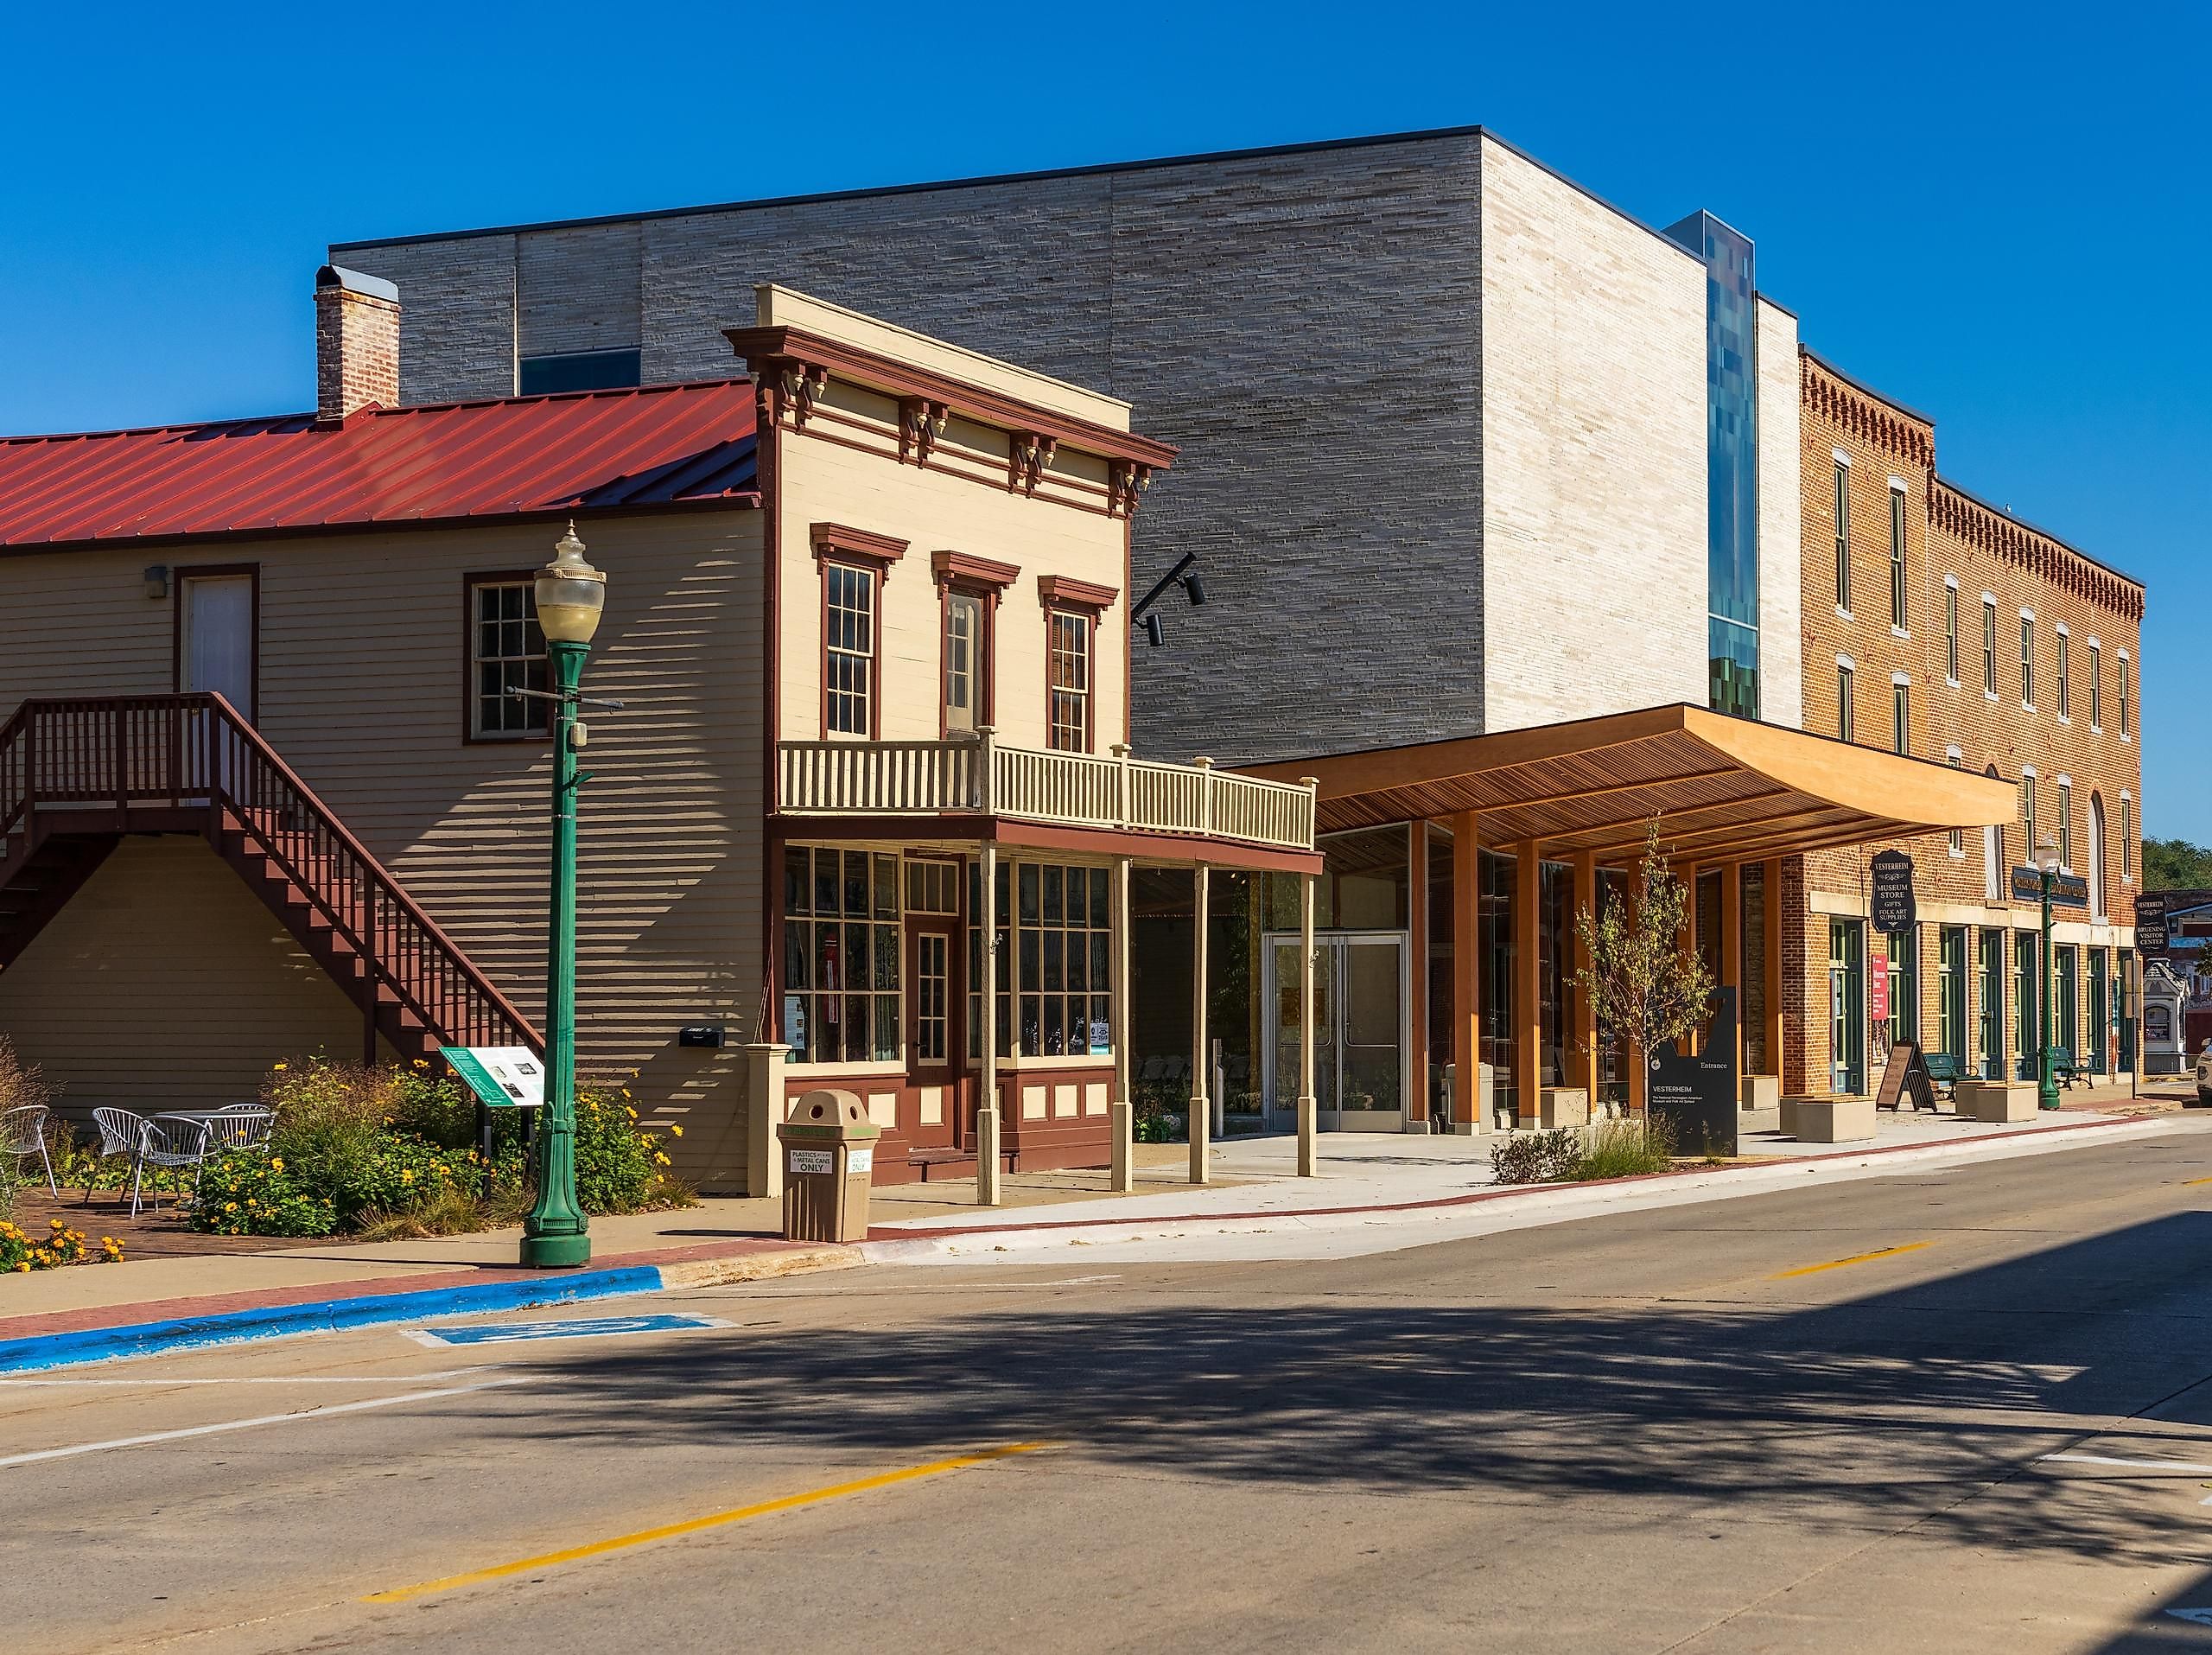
[240,1126]
[170,1142]
[120,1130]
[22,1134]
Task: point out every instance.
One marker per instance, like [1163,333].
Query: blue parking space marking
[515,1332]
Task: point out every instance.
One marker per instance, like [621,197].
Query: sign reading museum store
[1892,907]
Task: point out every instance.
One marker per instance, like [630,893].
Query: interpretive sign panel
[502,1076]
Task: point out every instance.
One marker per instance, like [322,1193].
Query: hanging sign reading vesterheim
[1892,907]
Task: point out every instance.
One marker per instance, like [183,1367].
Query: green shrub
[1612,1149]
[1624,1148]
[257,1193]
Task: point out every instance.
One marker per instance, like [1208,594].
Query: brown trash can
[828,1149]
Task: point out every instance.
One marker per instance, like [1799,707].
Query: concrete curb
[1570,1200]
[80,1346]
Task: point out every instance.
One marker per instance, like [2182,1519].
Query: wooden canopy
[1724,789]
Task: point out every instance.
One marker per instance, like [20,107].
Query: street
[1822,1420]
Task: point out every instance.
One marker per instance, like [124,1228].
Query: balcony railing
[981,777]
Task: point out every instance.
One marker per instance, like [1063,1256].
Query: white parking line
[248,1424]
[2133,1465]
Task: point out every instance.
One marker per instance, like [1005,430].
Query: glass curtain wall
[1495,926]
[1731,460]
[1441,981]
[1751,1004]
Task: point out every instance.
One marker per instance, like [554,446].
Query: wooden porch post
[1121,1120]
[1731,946]
[1586,1063]
[1201,1105]
[1416,1115]
[1466,977]
[1309,1123]
[1528,984]
[987,1103]
[1770,892]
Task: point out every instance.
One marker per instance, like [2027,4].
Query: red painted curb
[1475,1198]
[124,1315]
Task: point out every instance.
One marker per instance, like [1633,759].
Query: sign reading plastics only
[503,1077]
[814,1161]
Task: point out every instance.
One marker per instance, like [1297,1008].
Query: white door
[217,642]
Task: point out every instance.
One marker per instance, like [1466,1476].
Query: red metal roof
[580,451]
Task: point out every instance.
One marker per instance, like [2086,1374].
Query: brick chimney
[356,343]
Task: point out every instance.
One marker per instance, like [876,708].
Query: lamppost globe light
[2047,854]
[570,594]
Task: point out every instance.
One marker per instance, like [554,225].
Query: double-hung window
[2028,814]
[1958,835]
[2123,695]
[1068,684]
[1843,535]
[2096,685]
[2027,660]
[2065,823]
[848,653]
[2059,677]
[1900,715]
[841,955]
[1844,722]
[1951,631]
[507,652]
[2126,837]
[1989,645]
[1897,560]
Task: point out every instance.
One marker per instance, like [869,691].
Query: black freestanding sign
[1700,1095]
[1893,908]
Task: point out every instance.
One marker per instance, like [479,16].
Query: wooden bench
[2065,1067]
[1946,1072]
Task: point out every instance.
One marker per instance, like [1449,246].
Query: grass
[1624,1149]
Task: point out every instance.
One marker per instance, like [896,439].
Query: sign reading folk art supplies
[502,1076]
[2068,890]
[1892,907]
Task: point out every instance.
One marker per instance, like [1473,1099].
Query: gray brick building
[1442,414]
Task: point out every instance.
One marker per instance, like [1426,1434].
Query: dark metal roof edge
[1042,176]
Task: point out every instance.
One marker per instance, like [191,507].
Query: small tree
[1645,987]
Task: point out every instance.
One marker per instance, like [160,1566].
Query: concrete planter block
[1785,1114]
[1760,1091]
[1565,1106]
[1834,1120]
[1997,1101]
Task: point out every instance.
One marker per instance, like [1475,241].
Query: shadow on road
[1871,1414]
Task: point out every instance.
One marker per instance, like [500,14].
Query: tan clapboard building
[265,789]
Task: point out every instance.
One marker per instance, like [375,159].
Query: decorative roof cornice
[1982,526]
[1838,398]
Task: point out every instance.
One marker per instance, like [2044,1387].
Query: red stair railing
[116,753]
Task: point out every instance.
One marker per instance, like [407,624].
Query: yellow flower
[675,1130]
[22,1266]
[661,1159]
[407,1174]
[421,1064]
[281,1068]
[276,1164]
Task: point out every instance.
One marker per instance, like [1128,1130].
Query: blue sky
[1999,215]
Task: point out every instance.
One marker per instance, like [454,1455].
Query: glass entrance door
[1359,1030]
[1846,1008]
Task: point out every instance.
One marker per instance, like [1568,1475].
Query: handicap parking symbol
[515,1333]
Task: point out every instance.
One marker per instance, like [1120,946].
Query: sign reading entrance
[1892,907]
[502,1076]
[1699,1095]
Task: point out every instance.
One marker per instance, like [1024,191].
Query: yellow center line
[2186,1182]
[1855,1258]
[694,1525]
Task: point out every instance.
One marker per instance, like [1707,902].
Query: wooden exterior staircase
[78,774]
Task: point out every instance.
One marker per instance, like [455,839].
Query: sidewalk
[1367,1179]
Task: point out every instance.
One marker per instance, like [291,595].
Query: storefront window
[1497,979]
[1989,991]
[1055,941]
[1750,1002]
[841,955]
[2027,1005]
[1952,997]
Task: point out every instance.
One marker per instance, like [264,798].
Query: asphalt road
[1815,1421]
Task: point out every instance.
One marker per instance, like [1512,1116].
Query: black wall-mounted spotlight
[1193,588]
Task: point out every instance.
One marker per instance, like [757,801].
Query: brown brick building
[1938,625]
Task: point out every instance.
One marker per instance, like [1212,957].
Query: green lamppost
[570,594]
[2047,865]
